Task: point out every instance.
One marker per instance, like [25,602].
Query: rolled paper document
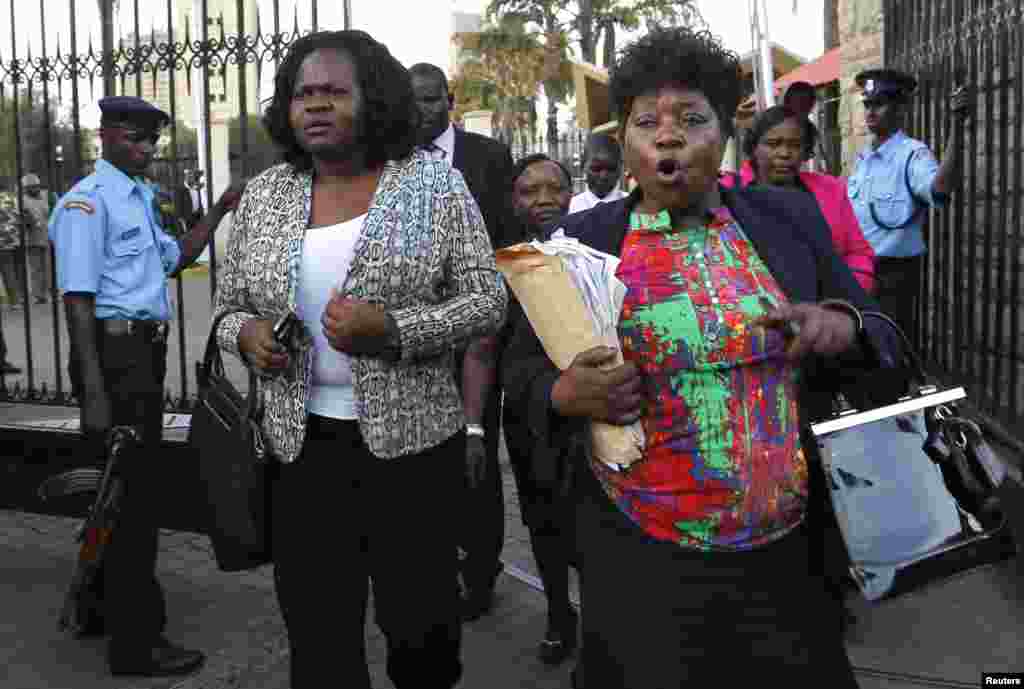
[551,299]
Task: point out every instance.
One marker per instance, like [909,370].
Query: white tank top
[326,256]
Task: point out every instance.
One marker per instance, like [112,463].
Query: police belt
[145,331]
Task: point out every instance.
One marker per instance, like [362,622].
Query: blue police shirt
[108,242]
[880,179]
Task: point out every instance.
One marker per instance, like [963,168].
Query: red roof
[820,71]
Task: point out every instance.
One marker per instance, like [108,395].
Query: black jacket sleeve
[529,376]
[871,373]
[505,230]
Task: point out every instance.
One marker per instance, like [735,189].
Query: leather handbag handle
[909,353]
[214,363]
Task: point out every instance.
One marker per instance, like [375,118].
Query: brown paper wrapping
[555,309]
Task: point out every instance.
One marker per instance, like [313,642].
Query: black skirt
[657,616]
[546,505]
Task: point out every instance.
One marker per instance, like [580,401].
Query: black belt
[147,331]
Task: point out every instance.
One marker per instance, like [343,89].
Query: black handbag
[913,487]
[233,465]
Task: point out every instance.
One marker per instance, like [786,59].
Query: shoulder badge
[79,205]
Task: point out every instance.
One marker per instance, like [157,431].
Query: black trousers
[658,616]
[342,518]
[133,606]
[898,283]
[483,536]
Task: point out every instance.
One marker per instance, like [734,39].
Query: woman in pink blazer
[776,146]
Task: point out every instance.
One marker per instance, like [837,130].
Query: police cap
[886,85]
[132,110]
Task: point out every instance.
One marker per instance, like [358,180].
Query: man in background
[486,165]
[35,202]
[189,198]
[602,165]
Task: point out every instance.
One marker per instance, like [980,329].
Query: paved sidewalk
[233,617]
[944,637]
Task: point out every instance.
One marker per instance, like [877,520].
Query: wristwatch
[474,430]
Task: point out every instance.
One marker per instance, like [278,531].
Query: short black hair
[602,142]
[425,69]
[677,56]
[774,116]
[527,161]
[388,118]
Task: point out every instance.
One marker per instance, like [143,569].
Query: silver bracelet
[474,430]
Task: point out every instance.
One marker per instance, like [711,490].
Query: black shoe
[8,367]
[847,621]
[576,676]
[162,660]
[93,627]
[558,644]
[476,604]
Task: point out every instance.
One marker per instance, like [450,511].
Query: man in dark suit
[188,198]
[486,165]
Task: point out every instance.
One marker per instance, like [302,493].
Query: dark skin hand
[256,343]
[745,113]
[193,243]
[356,327]
[478,377]
[476,461]
[95,403]
[586,390]
[813,329]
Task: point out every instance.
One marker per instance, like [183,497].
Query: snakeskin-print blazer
[423,255]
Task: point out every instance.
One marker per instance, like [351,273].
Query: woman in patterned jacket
[703,558]
[383,256]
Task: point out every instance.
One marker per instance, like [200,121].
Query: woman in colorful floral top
[739,318]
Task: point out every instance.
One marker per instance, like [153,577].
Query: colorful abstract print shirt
[723,468]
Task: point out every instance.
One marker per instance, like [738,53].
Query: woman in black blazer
[703,558]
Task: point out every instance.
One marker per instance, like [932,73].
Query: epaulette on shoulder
[79,204]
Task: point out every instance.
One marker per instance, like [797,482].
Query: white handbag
[912,485]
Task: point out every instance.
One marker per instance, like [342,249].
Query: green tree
[556,73]
[598,20]
[587,22]
[505,64]
[186,140]
[34,132]
[260,152]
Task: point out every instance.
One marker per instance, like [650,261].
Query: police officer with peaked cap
[895,179]
[115,249]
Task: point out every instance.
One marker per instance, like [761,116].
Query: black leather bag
[913,485]
[233,465]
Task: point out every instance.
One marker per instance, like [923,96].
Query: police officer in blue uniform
[895,180]
[114,255]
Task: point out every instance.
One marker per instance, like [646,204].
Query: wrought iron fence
[969,323]
[204,62]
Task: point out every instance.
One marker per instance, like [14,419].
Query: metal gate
[969,324]
[209,63]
